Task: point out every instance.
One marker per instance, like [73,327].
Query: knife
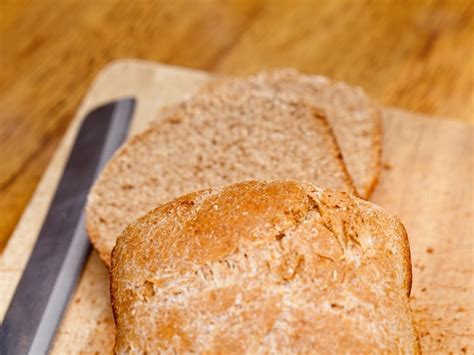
[60,252]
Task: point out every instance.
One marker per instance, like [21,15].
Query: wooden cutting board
[427,180]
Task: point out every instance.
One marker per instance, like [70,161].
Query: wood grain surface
[427,180]
[416,55]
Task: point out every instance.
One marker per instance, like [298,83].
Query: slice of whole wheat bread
[353,116]
[213,140]
[264,267]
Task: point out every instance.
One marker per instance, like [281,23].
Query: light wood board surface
[417,55]
[427,180]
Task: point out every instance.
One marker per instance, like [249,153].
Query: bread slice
[354,118]
[263,267]
[213,140]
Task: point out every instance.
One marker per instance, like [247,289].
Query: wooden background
[416,55]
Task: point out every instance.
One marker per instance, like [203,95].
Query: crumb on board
[429,250]
[387,166]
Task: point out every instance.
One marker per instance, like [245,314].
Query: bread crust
[264,267]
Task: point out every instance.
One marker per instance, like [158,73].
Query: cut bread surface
[214,139]
[263,267]
[353,116]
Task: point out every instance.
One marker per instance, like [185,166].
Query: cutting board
[427,179]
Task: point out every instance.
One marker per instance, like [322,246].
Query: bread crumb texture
[354,118]
[263,267]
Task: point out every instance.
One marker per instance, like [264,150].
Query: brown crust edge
[377,152]
[409,280]
[334,146]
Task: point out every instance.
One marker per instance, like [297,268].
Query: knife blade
[60,251]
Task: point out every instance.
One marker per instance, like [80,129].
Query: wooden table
[416,55]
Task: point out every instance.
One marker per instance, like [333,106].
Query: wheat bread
[263,267]
[353,116]
[211,140]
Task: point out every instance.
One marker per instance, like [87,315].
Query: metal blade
[60,252]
